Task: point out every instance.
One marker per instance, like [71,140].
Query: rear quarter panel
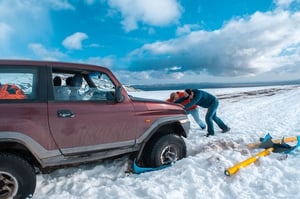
[27,119]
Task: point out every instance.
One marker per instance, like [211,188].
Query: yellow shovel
[232,170]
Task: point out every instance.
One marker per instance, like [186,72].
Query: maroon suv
[56,114]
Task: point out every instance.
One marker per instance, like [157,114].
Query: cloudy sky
[155,41]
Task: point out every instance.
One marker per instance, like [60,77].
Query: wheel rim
[8,185]
[169,154]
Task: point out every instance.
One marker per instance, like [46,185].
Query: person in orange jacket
[205,100]
[193,110]
[11,91]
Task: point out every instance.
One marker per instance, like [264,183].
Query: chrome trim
[99,147]
[84,158]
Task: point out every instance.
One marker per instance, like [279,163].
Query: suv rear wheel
[17,177]
[166,150]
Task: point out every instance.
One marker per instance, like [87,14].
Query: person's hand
[181,106]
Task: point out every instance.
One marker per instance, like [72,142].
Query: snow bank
[201,174]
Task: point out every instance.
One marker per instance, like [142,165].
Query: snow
[250,115]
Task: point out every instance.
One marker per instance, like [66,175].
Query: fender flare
[38,151]
[183,121]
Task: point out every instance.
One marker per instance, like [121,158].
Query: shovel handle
[232,170]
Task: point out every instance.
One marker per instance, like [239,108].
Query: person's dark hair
[68,81]
[188,91]
[57,81]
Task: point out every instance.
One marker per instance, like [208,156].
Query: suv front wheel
[17,177]
[167,149]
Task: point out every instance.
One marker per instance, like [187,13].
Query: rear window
[18,84]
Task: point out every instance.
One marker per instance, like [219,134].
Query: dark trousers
[211,116]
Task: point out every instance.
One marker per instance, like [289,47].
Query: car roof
[5,62]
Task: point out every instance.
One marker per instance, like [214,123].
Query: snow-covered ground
[250,112]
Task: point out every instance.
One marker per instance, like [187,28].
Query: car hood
[158,105]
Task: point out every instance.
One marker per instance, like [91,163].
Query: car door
[93,120]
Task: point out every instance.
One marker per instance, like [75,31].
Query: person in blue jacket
[205,100]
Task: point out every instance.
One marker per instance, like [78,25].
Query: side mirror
[119,96]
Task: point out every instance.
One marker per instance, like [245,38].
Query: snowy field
[250,112]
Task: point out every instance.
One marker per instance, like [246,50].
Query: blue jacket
[201,98]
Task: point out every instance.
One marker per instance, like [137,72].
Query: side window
[18,84]
[69,86]
[61,86]
[87,86]
[103,89]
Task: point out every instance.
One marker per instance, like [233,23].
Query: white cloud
[5,31]
[283,3]
[74,41]
[6,35]
[127,77]
[178,75]
[150,12]
[31,8]
[245,46]
[22,16]
[174,68]
[26,21]
[46,54]
[57,4]
[90,2]
[101,61]
[187,28]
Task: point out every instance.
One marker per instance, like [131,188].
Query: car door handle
[65,113]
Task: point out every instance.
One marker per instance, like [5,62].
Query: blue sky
[159,41]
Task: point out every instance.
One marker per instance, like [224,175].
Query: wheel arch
[20,150]
[178,127]
[17,142]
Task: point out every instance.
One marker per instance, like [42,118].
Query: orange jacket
[181,95]
[11,91]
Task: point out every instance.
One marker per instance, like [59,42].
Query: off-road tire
[17,177]
[167,149]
